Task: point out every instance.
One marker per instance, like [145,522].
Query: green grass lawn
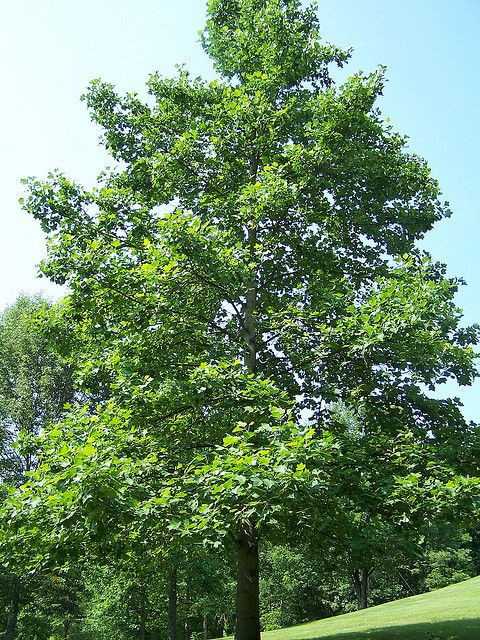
[452,613]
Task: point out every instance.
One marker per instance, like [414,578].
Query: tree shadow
[465,629]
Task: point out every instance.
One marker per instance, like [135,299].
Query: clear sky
[50,50]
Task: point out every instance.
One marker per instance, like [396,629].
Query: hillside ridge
[450,613]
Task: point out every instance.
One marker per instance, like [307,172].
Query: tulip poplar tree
[247,263]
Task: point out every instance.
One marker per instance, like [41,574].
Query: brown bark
[205,627]
[247,625]
[360,579]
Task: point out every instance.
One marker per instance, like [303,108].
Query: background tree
[34,386]
[376,451]
[35,383]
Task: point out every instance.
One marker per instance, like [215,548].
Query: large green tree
[231,279]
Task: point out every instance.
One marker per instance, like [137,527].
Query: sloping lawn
[452,613]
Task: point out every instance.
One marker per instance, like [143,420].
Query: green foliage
[162,259]
[248,39]
[447,557]
[448,566]
[34,383]
[299,585]
[234,278]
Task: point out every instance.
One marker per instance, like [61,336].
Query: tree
[34,385]
[231,279]
[375,458]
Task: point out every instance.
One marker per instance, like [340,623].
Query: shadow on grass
[467,629]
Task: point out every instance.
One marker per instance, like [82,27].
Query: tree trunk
[205,627]
[172,605]
[11,628]
[142,629]
[67,623]
[247,625]
[360,579]
[188,607]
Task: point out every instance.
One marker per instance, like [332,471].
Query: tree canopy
[248,263]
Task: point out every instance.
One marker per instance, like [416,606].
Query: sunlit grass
[452,613]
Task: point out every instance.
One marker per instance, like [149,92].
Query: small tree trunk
[205,627]
[142,629]
[188,606]
[247,625]
[67,623]
[172,605]
[11,627]
[360,579]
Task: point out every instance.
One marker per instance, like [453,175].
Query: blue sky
[50,50]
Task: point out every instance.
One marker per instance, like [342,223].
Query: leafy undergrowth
[452,613]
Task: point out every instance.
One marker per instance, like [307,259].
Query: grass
[452,613]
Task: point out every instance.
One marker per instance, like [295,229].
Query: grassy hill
[452,613]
